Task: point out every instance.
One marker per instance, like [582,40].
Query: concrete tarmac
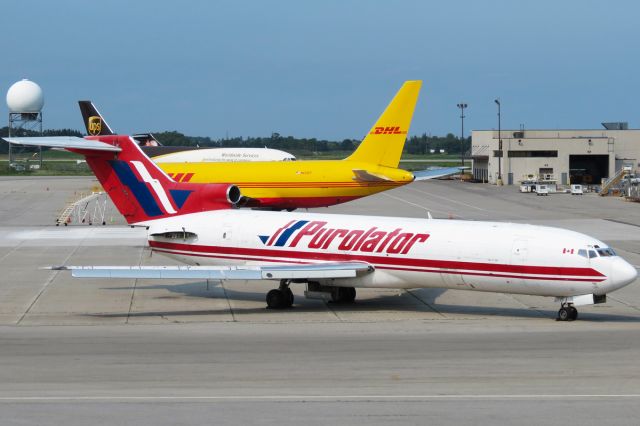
[181,352]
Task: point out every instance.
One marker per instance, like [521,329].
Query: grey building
[563,156]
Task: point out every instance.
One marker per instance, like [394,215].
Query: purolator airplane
[372,168]
[335,254]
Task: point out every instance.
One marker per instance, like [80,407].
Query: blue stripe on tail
[139,189]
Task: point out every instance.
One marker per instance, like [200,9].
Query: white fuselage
[406,252]
[224,155]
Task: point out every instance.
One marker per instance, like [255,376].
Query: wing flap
[433,173]
[223,273]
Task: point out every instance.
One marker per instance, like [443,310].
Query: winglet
[384,143]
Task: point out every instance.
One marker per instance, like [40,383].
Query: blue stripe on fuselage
[286,234]
[139,189]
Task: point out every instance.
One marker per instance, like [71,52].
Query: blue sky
[325,69]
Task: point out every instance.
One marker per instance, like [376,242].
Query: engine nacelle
[215,196]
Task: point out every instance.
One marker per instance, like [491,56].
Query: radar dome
[25,96]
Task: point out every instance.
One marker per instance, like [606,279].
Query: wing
[224,273]
[365,176]
[432,173]
[63,142]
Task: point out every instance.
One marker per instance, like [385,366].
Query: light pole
[462,106]
[499,182]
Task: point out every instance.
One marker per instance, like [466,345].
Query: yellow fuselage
[293,184]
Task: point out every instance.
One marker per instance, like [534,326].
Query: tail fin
[139,189]
[93,121]
[384,142]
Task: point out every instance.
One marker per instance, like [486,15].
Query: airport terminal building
[560,156]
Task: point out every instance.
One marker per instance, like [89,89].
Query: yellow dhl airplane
[280,185]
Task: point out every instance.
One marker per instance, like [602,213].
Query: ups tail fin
[93,120]
[140,190]
[384,143]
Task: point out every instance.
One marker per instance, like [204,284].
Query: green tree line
[416,145]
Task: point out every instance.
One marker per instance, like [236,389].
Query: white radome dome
[25,96]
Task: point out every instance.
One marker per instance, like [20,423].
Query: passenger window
[592,254]
[582,252]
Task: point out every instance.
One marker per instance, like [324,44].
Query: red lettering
[350,240]
[388,130]
[310,229]
[336,232]
[386,240]
[364,237]
[319,239]
[418,237]
[372,242]
[399,242]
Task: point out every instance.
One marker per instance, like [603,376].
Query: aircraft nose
[623,273]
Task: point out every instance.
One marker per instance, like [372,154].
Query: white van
[576,190]
[542,189]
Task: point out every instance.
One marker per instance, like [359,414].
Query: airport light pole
[462,106]
[499,182]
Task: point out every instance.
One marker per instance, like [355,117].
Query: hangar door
[588,169]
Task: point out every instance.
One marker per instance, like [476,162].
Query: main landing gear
[343,294]
[567,312]
[281,297]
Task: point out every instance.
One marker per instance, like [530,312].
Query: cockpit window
[582,252]
[606,252]
[592,254]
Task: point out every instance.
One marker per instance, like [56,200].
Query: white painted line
[428,209]
[294,398]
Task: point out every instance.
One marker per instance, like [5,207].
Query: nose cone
[622,274]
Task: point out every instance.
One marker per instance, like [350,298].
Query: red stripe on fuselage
[386,261]
[397,268]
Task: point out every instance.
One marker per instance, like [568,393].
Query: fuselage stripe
[468,268]
[400,268]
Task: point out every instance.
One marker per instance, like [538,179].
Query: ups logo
[94,125]
[392,130]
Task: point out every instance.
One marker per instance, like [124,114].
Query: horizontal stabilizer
[365,176]
[250,272]
[433,173]
[64,142]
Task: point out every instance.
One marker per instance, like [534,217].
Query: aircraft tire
[343,294]
[564,314]
[288,294]
[349,294]
[276,299]
[573,313]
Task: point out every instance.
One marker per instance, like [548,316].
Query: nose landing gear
[567,312]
